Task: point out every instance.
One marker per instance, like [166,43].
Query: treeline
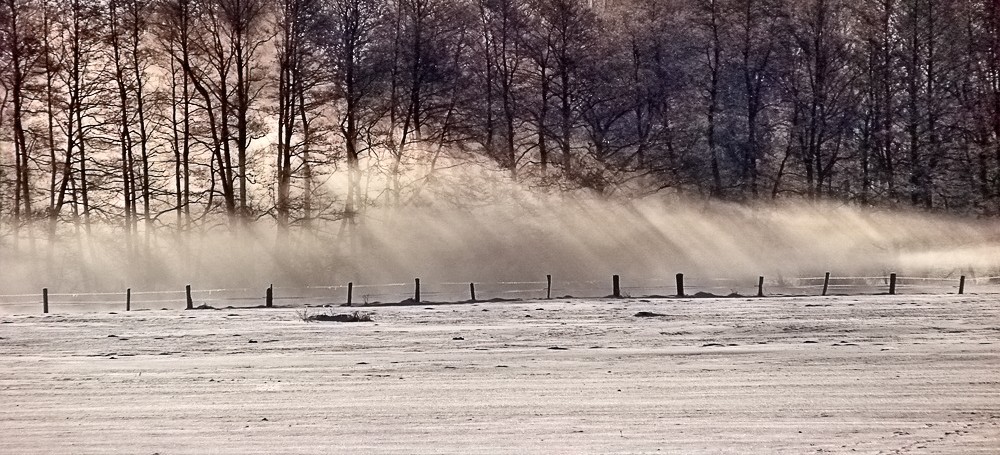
[142,113]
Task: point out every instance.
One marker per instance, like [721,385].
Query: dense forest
[142,114]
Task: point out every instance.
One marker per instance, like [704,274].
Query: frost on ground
[899,374]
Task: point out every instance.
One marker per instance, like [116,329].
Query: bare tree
[81,77]
[821,86]
[175,31]
[299,81]
[19,52]
[224,64]
[711,23]
[357,64]
[502,22]
[571,25]
[428,42]
[759,30]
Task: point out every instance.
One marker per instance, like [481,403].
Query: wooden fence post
[616,290]
[45,300]
[760,286]
[826,282]
[128,299]
[472,291]
[548,289]
[350,292]
[269,297]
[187,292]
[892,284]
[961,285]
[416,290]
[680,285]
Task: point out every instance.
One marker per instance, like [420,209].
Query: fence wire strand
[370,292]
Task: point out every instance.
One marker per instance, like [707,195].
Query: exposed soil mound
[204,306]
[709,295]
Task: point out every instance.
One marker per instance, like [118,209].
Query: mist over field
[572,238]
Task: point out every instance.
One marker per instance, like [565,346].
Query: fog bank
[570,237]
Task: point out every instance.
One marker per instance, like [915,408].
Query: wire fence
[367,294]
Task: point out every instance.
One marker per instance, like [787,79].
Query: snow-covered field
[876,374]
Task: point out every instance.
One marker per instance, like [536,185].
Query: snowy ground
[901,374]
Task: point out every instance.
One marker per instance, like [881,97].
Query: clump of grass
[357,316]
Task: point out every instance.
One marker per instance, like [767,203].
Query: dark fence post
[187,291]
[45,300]
[616,290]
[472,291]
[350,292]
[416,290]
[269,297]
[760,286]
[826,282]
[680,285]
[128,299]
[892,284]
[961,285]
[548,288]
